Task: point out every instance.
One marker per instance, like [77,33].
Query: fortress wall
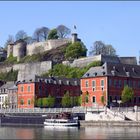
[128,60]
[40,47]
[37,47]
[82,62]
[29,70]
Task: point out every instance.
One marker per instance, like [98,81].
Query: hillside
[56,55]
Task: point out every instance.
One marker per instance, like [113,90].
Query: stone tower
[10,49]
[19,49]
[74,37]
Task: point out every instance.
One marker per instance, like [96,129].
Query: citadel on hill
[27,71]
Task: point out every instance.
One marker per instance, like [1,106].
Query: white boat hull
[60,122]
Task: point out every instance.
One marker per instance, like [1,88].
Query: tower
[74,34]
[10,49]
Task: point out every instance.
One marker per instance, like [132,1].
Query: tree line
[40,34]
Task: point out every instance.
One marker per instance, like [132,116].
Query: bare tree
[41,34]
[10,40]
[63,31]
[20,35]
[100,48]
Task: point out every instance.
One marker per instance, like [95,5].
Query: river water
[26,132]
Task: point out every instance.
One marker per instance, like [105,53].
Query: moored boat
[61,122]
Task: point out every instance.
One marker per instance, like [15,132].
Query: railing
[51,110]
[125,109]
[118,114]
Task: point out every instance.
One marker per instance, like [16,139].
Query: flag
[74,26]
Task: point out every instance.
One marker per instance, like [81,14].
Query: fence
[52,110]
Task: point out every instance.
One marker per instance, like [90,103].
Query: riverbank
[110,123]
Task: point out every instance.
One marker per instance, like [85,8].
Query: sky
[113,22]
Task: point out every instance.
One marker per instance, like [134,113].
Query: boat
[61,122]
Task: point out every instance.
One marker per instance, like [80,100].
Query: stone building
[20,49]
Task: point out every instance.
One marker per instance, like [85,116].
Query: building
[12,96]
[30,91]
[4,101]
[103,85]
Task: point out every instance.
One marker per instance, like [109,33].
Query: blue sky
[113,22]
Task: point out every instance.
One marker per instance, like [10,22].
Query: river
[26,132]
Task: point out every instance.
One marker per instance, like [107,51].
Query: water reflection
[48,132]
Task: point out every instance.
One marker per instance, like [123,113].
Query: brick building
[108,81]
[42,87]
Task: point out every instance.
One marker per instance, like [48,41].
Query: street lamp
[119,102]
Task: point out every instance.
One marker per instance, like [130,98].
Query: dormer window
[113,72]
[128,74]
[75,82]
[68,82]
[114,68]
[60,82]
[87,74]
[103,72]
[54,81]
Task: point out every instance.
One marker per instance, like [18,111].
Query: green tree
[39,102]
[66,100]
[75,50]
[53,34]
[44,102]
[127,94]
[103,100]
[50,101]
[77,100]
[70,72]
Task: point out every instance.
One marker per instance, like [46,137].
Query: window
[86,83]
[94,99]
[21,101]
[93,84]
[125,82]
[134,84]
[102,83]
[115,83]
[110,82]
[87,96]
[120,83]
[29,88]
[110,98]
[139,99]
[21,89]
[130,83]
[135,99]
[29,101]
[138,84]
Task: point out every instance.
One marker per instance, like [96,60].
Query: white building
[4,101]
